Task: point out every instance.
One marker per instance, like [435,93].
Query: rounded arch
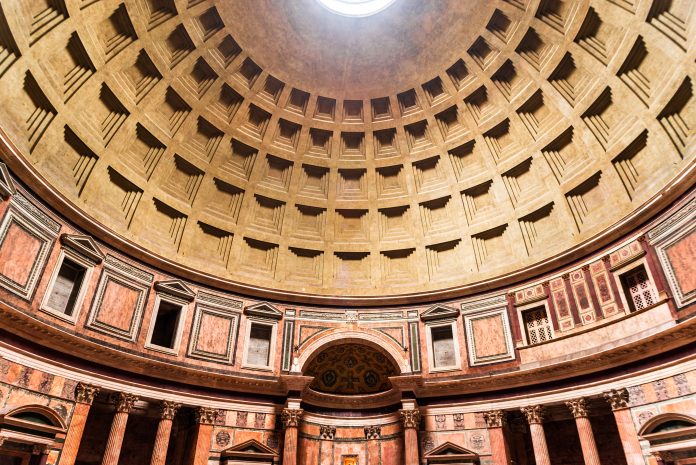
[39,414]
[371,338]
[655,422]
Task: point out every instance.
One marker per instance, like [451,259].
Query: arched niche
[671,435]
[36,426]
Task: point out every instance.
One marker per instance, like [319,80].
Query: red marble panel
[18,253]
[213,334]
[682,256]
[392,452]
[118,306]
[489,336]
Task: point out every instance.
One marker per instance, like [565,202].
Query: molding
[264,310]
[439,312]
[7,187]
[176,288]
[83,245]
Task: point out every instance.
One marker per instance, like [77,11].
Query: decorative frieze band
[205,415]
[327,432]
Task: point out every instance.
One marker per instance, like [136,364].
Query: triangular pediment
[249,449]
[450,451]
[439,312]
[264,310]
[83,245]
[175,288]
[7,187]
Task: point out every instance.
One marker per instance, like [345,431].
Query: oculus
[356,8]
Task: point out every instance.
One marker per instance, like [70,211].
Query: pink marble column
[496,421]
[535,418]
[618,399]
[578,407]
[291,421]
[411,419]
[84,396]
[164,429]
[124,404]
[205,418]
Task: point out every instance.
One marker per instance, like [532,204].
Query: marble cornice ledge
[28,327]
[659,202]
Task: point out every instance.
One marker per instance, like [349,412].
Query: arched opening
[27,433]
[672,438]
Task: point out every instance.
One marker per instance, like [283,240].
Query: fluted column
[411,420]
[84,396]
[578,407]
[124,404]
[496,421]
[618,399]
[291,421]
[205,418]
[535,418]
[164,429]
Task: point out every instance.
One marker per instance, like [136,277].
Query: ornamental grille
[537,324]
[638,289]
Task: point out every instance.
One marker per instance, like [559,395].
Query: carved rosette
[578,407]
[495,418]
[205,415]
[291,417]
[534,414]
[85,393]
[617,398]
[125,402]
[168,409]
[327,432]
[373,432]
[411,418]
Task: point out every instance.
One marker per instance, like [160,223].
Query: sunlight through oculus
[356,8]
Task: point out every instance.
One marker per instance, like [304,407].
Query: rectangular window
[259,349]
[537,326]
[637,289]
[166,328]
[66,287]
[443,346]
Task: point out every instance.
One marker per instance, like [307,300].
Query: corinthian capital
[534,414]
[168,409]
[291,417]
[578,407]
[125,401]
[373,432]
[411,418]
[205,415]
[617,398]
[327,432]
[495,418]
[85,393]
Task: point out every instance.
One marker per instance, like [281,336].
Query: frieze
[218,301]
[119,266]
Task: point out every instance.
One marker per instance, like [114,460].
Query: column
[411,419]
[372,435]
[327,433]
[495,421]
[39,455]
[84,396]
[578,407]
[164,429]
[618,399]
[535,418]
[204,418]
[124,404]
[291,421]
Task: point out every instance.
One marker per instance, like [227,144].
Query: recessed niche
[287,134]
[80,157]
[201,77]
[539,229]
[75,67]
[381,108]
[310,222]
[272,89]
[418,136]
[571,82]
[483,53]
[268,214]
[597,37]
[353,111]
[351,226]
[501,142]
[391,182]
[205,141]
[352,146]
[110,114]
[175,110]
[450,123]
[509,81]
[536,115]
[124,196]
[259,258]
[44,16]
[257,122]
[632,164]
[184,180]
[240,160]
[385,143]
[352,184]
[248,72]
[214,242]
[41,111]
[314,181]
[428,174]
[351,268]
[320,142]
[145,152]
[678,118]
[398,266]
[480,106]
[460,75]
[167,223]
[408,102]
[305,265]
[227,103]
[227,200]
[606,121]
[522,183]
[556,13]
[437,216]
[491,247]
[466,162]
[325,109]
[394,223]
[536,49]
[586,201]
[208,23]
[9,51]
[298,101]
[672,18]
[227,50]
[434,90]
[502,26]
[445,260]
[276,173]
[177,46]
[116,32]
[479,204]
[565,155]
